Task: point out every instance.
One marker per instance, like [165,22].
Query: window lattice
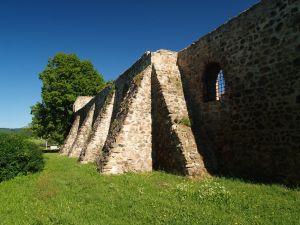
[220,85]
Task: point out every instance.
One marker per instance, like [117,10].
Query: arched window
[213,82]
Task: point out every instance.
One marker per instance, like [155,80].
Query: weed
[138,79]
[184,121]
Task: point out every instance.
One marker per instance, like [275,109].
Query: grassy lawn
[69,193]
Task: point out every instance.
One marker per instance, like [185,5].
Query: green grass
[37,141]
[69,193]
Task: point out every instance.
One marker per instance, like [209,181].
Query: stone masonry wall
[100,129]
[83,132]
[129,145]
[139,122]
[80,102]
[254,130]
[71,136]
[79,115]
[164,112]
[174,145]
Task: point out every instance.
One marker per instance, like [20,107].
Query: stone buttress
[174,145]
[134,126]
[84,130]
[80,102]
[103,113]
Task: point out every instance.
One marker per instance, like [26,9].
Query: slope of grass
[69,193]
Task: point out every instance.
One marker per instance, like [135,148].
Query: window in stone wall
[220,85]
[214,83]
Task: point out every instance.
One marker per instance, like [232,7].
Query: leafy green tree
[64,78]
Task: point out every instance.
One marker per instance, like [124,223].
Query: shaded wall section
[85,127]
[254,130]
[101,124]
[174,148]
[79,109]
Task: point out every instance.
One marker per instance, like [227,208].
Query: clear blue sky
[111,34]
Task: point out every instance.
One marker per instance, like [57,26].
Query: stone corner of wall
[80,102]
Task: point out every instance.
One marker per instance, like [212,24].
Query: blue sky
[112,34]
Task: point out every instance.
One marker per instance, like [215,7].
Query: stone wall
[128,145]
[83,132]
[100,127]
[80,102]
[117,127]
[71,136]
[174,145]
[165,112]
[254,130]
[80,108]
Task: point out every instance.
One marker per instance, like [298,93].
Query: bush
[18,156]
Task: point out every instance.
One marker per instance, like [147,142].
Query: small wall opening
[214,83]
[220,85]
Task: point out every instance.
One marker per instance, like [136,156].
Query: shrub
[18,156]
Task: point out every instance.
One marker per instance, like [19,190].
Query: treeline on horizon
[21,131]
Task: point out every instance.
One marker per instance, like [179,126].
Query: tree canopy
[64,78]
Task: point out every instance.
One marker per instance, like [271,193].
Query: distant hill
[22,131]
[9,130]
